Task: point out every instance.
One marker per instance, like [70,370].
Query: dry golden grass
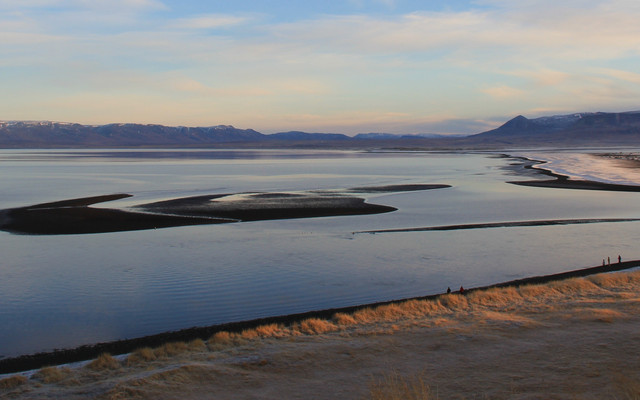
[344,319]
[140,356]
[535,291]
[392,386]
[628,388]
[502,297]
[52,374]
[315,326]
[196,345]
[265,331]
[13,382]
[616,280]
[454,302]
[221,341]
[272,330]
[170,349]
[574,286]
[223,337]
[605,298]
[104,362]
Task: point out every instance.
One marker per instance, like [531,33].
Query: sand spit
[576,338]
[563,181]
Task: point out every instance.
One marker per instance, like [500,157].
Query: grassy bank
[575,338]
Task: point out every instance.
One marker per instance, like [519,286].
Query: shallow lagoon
[66,290]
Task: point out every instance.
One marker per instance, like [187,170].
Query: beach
[574,338]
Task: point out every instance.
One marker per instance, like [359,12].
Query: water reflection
[62,291]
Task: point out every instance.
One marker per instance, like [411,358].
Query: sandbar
[76,216]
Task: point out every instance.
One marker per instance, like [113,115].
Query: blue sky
[346,66]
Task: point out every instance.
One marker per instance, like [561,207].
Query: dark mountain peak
[517,126]
[519,122]
[579,128]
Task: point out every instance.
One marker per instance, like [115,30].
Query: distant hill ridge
[579,124]
[576,129]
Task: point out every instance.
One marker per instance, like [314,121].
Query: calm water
[64,291]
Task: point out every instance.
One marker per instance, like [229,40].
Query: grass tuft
[574,286]
[221,340]
[271,330]
[315,326]
[52,374]
[495,297]
[454,302]
[13,382]
[535,291]
[170,349]
[344,319]
[196,345]
[104,362]
[142,355]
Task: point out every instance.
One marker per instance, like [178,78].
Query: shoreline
[561,181]
[86,352]
[573,338]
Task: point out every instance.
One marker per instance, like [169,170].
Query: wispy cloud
[349,70]
[211,21]
[626,76]
[502,92]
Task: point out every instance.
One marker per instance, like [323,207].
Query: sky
[345,66]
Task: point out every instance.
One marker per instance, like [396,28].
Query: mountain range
[579,129]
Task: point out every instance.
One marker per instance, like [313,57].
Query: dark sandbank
[39,360]
[511,224]
[397,188]
[567,183]
[75,216]
[266,206]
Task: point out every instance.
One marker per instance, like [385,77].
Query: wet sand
[575,338]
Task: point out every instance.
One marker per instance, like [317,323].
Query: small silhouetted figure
[461,290]
[603,262]
[619,259]
[448,290]
[609,260]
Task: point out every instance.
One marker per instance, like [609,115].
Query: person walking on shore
[619,259]
[609,260]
